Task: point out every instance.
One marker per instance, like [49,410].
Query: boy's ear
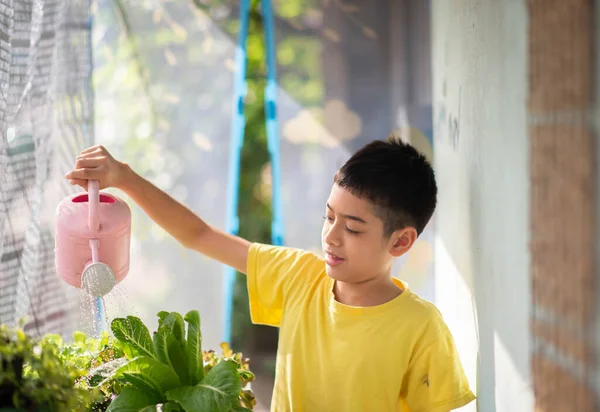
[403,240]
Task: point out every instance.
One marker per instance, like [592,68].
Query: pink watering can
[93,232]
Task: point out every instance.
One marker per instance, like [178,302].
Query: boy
[352,337]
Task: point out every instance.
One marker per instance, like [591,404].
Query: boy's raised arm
[96,163]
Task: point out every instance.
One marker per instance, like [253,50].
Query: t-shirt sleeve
[435,380]
[276,274]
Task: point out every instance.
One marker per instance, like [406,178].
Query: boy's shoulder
[284,254]
[423,316]
[420,305]
[283,261]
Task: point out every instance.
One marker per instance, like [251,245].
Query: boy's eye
[332,219]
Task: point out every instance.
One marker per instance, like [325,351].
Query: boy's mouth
[332,260]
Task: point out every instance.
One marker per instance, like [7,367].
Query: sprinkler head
[98,279]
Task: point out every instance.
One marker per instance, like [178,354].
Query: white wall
[481,160]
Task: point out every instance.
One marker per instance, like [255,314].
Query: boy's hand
[96,163]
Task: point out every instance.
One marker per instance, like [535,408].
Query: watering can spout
[97,278]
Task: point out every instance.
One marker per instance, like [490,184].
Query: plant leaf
[178,326]
[218,391]
[105,371]
[159,341]
[133,332]
[178,358]
[226,349]
[126,348]
[171,351]
[79,336]
[194,347]
[239,409]
[171,407]
[133,400]
[149,375]
[162,315]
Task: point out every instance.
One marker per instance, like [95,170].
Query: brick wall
[562,162]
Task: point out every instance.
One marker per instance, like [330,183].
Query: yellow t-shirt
[398,356]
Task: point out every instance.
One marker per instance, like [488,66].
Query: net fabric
[343,82]
[163,92]
[44,122]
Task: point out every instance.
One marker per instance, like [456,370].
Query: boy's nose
[332,236]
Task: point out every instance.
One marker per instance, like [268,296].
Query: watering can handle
[94,203]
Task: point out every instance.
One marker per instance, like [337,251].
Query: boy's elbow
[193,237]
[187,242]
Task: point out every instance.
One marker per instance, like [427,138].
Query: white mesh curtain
[45,119]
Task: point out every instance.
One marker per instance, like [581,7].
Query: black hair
[396,179]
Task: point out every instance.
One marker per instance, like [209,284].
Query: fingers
[85,174]
[89,162]
[94,149]
[79,182]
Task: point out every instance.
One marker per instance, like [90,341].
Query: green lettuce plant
[90,361]
[169,369]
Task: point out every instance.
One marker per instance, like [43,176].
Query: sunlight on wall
[509,378]
[454,299]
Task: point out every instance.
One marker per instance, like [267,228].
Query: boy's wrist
[126,178]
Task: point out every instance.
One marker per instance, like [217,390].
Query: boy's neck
[372,293]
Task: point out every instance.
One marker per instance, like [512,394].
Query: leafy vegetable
[132,399]
[194,347]
[132,332]
[171,370]
[170,346]
[92,361]
[129,372]
[216,392]
[34,377]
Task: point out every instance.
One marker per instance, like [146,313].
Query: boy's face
[355,248]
